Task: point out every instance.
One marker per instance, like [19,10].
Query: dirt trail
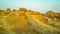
[33,19]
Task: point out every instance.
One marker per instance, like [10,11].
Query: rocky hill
[25,21]
[51,14]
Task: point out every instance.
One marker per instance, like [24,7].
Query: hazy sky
[37,5]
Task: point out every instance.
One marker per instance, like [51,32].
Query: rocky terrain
[25,21]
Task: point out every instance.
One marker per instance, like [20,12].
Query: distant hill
[51,14]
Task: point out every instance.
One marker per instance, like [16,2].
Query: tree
[22,9]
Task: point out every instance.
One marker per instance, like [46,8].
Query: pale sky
[36,5]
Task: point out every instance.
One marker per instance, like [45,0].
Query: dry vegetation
[25,21]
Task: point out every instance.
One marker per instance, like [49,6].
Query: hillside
[24,21]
